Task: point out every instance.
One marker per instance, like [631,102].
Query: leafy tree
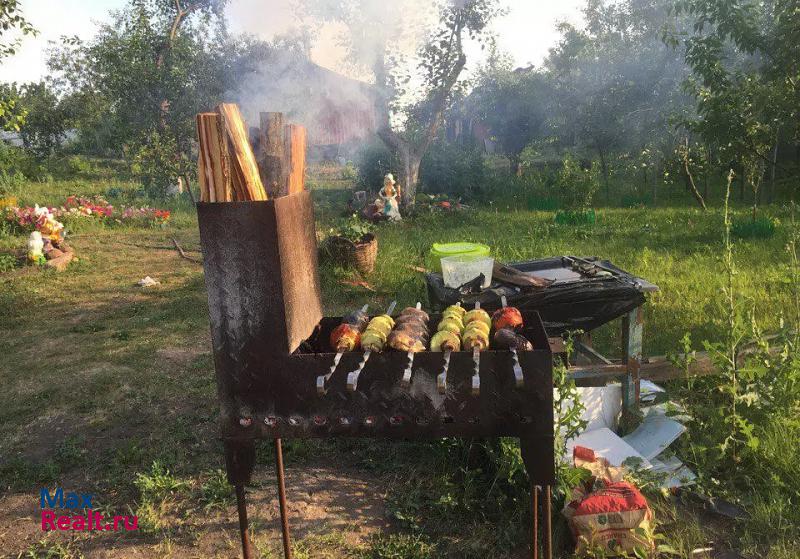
[11,21]
[745,62]
[137,85]
[408,121]
[514,104]
[47,121]
[12,113]
[617,84]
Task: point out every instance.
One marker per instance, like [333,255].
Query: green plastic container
[442,250]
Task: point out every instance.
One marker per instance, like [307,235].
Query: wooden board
[213,161]
[295,148]
[246,179]
[271,155]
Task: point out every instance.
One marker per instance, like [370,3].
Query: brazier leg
[287,544]
[240,458]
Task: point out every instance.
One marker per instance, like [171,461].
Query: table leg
[632,327]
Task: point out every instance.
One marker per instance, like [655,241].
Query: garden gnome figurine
[35,246]
[389,195]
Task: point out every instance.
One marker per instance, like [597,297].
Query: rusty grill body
[270,343]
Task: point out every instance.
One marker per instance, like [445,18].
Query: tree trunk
[604,169]
[687,176]
[409,176]
[516,164]
[771,191]
[655,182]
[741,183]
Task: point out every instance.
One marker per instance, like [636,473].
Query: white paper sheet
[604,442]
[654,434]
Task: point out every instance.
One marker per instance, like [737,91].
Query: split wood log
[246,181]
[295,149]
[213,161]
[61,262]
[271,156]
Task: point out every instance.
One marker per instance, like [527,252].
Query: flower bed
[49,220]
[99,208]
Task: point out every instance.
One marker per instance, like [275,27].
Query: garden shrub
[748,228]
[576,186]
[532,191]
[452,169]
[576,217]
[373,162]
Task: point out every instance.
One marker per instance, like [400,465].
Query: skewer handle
[518,376]
[323,379]
[441,380]
[352,377]
[476,377]
[406,380]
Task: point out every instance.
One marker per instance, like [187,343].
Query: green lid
[442,250]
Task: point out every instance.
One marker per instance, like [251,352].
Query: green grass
[102,379]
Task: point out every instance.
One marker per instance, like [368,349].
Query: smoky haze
[350,36]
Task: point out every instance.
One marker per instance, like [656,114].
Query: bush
[373,162]
[452,169]
[576,217]
[749,228]
[532,191]
[576,186]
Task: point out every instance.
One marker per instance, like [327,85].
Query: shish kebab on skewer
[448,339]
[345,337]
[410,334]
[506,322]
[477,325]
[373,339]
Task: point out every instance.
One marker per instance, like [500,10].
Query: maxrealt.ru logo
[71,501]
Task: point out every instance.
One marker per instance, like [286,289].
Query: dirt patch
[322,500]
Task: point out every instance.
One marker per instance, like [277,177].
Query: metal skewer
[518,376]
[476,358]
[323,379]
[441,380]
[406,380]
[352,376]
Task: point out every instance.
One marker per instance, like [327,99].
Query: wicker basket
[360,255]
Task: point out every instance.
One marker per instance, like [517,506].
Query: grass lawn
[109,388]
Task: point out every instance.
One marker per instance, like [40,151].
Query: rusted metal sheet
[260,263]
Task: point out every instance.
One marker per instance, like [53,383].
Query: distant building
[12,138]
[338,112]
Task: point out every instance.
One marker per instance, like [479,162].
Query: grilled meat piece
[475,339]
[507,317]
[345,337]
[445,341]
[402,341]
[457,310]
[413,311]
[478,315]
[451,324]
[373,340]
[506,338]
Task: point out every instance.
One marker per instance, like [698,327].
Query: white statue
[35,247]
[389,197]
